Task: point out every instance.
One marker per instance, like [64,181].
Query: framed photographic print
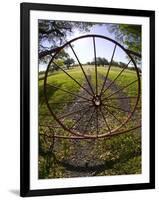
[87,99]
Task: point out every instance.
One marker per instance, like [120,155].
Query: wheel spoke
[105,121]
[95,61]
[69,114]
[131,97]
[116,77]
[89,120]
[121,89]
[79,119]
[97,122]
[118,108]
[48,84]
[97,105]
[82,68]
[64,102]
[105,79]
[73,78]
[106,108]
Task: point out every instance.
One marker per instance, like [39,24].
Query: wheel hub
[98,108]
[96,101]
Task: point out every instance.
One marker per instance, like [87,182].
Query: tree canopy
[99,61]
[53,34]
[129,35]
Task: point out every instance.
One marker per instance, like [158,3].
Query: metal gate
[98,96]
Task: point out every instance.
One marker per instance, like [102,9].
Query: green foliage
[103,61]
[115,63]
[62,55]
[129,35]
[120,155]
[68,62]
[99,61]
[53,33]
[59,62]
[62,81]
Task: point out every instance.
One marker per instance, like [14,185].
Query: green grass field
[120,154]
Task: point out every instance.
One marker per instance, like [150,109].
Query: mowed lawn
[61,80]
[56,96]
[121,154]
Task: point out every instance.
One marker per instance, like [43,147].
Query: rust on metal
[97,99]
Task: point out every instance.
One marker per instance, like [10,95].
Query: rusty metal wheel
[97,101]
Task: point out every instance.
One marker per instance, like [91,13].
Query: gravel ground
[83,161]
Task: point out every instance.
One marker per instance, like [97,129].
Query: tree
[62,55]
[53,34]
[115,63]
[88,63]
[122,65]
[56,64]
[129,35]
[105,61]
[68,62]
[59,62]
[100,61]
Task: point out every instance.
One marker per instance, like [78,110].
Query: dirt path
[83,160]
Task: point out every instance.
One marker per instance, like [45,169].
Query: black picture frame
[25,9]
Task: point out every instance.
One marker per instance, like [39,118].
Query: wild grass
[121,155]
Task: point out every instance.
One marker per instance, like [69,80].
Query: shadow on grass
[92,170]
[50,92]
[96,169]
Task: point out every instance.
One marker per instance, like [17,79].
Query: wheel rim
[96,101]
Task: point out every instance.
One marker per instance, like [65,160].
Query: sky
[84,47]
[104,48]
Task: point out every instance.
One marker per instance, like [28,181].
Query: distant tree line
[99,61]
[103,62]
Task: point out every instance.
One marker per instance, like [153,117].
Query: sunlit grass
[121,154]
[54,95]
